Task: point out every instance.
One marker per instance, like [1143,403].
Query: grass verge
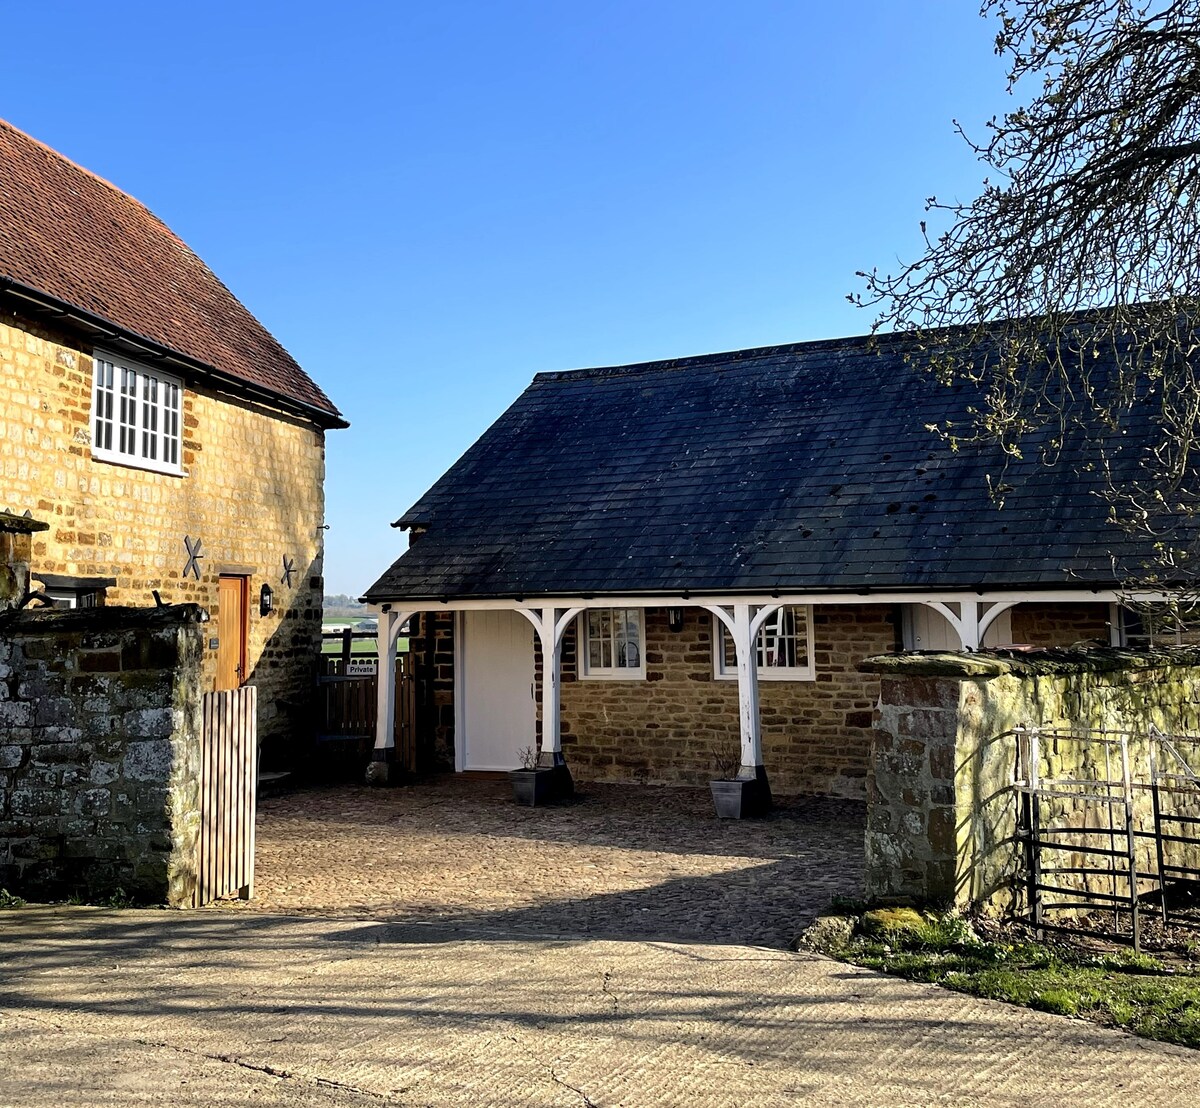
[1117,988]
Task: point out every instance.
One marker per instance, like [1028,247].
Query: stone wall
[942,814]
[665,729]
[99,752]
[432,649]
[1060,624]
[253,493]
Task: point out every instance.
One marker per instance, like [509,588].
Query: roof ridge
[910,335]
[692,360]
[130,270]
[60,156]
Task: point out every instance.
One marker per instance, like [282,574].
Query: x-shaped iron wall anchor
[194,556]
[289,568]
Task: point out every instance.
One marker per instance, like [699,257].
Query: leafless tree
[1071,285]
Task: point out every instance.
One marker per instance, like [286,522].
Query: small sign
[361,669]
[214,644]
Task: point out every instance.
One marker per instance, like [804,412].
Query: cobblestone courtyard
[623,861]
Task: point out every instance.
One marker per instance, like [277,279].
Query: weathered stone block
[12,756]
[93,802]
[150,722]
[147,761]
[15,714]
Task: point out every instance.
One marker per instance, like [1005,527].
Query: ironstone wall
[99,752]
[942,808]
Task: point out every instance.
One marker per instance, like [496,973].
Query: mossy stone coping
[104,618]
[1028,663]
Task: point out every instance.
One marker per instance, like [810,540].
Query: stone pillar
[15,544]
[912,848]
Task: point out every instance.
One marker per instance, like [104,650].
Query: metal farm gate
[1113,836]
[228,786]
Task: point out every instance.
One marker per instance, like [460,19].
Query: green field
[364,646]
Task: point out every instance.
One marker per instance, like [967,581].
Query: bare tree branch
[1081,251]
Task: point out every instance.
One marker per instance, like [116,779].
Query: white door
[496,710]
[925,628]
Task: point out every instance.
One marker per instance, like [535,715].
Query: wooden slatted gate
[228,784]
[348,708]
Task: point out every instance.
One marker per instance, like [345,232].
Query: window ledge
[113,458]
[625,675]
[776,675]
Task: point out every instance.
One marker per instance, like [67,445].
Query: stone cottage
[175,449]
[689,558]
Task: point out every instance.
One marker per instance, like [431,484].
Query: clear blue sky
[429,203]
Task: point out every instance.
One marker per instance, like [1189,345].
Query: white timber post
[966,621]
[970,628]
[390,623]
[742,622]
[550,627]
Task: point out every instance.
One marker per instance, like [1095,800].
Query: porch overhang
[969,612]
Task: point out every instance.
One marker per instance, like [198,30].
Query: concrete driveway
[438,946]
[221,1008]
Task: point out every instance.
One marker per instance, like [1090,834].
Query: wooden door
[498,718]
[233,632]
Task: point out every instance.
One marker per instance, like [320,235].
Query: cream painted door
[927,629]
[497,715]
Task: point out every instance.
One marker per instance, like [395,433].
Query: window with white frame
[136,415]
[1143,626]
[785,647]
[611,644]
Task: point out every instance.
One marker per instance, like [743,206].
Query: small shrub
[10,900]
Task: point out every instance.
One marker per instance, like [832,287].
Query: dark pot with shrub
[734,796]
[533,784]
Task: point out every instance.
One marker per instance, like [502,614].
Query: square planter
[740,799]
[534,786]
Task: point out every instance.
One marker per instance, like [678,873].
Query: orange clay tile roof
[68,234]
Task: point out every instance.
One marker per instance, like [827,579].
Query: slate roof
[73,237]
[795,468]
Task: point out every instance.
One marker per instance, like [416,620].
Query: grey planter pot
[740,799]
[532,787]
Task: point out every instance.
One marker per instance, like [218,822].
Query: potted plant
[736,797]
[532,784]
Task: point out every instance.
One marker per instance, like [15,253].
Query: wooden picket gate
[228,784]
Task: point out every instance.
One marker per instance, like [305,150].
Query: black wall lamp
[675,619]
[266,600]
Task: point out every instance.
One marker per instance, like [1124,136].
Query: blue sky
[429,203]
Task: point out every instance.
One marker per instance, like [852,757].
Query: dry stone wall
[253,493]
[100,735]
[942,809]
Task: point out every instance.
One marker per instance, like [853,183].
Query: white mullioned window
[785,647]
[610,644]
[136,415]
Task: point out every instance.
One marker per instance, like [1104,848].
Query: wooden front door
[233,632]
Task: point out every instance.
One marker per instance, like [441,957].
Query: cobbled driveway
[630,862]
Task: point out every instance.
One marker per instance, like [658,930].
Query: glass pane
[778,640]
[728,652]
[629,652]
[149,417]
[128,422]
[593,639]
